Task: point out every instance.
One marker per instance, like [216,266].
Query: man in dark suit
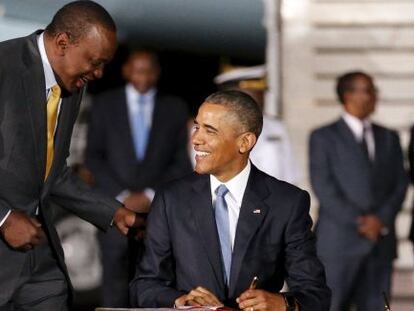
[128,170]
[42,78]
[209,234]
[411,171]
[357,173]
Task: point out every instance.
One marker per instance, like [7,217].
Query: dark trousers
[358,282]
[41,285]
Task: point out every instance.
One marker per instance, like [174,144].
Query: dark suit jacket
[276,243]
[110,153]
[348,185]
[411,161]
[23,155]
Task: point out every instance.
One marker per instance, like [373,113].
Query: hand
[198,297]
[261,300]
[370,226]
[21,232]
[137,202]
[124,219]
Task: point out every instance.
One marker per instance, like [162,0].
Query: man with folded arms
[210,233]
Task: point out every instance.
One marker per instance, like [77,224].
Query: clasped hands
[370,226]
[249,300]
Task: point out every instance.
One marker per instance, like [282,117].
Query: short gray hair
[243,106]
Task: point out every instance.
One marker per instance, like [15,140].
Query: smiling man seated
[209,234]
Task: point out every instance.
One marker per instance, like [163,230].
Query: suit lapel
[201,205]
[347,135]
[379,144]
[252,214]
[354,146]
[35,93]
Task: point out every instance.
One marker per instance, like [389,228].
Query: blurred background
[304,44]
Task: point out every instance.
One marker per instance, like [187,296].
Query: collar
[133,94]
[356,125]
[236,185]
[50,79]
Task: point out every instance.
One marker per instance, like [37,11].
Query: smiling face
[222,148]
[77,62]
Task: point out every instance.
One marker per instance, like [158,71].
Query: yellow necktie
[52,111]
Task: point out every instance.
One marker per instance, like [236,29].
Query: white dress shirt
[357,127]
[236,186]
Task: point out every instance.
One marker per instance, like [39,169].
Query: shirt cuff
[5,218]
[122,196]
[150,193]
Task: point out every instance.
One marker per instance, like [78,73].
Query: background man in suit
[411,171]
[259,226]
[357,173]
[42,78]
[130,155]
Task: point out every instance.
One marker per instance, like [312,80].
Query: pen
[386,303]
[253,284]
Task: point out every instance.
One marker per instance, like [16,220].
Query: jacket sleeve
[305,273]
[75,196]
[389,208]
[331,198]
[153,286]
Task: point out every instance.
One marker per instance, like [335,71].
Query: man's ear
[247,142]
[62,42]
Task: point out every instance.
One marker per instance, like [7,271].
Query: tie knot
[55,90]
[221,190]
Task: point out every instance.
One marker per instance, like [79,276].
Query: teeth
[202,153]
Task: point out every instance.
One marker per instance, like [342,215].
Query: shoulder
[278,188]
[327,128]
[182,184]
[384,135]
[328,132]
[12,51]
[385,130]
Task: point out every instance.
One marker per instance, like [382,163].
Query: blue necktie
[141,129]
[223,228]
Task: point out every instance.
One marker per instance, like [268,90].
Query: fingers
[260,300]
[252,300]
[22,232]
[180,301]
[123,219]
[204,297]
[198,297]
